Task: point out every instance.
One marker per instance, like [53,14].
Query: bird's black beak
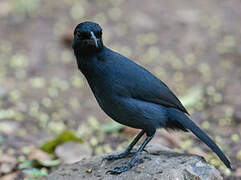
[94,39]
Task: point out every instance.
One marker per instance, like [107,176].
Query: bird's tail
[184,120]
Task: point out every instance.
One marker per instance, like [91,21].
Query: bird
[130,94]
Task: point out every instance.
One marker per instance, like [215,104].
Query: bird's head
[87,38]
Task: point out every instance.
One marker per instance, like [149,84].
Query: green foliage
[46,163]
[35,172]
[63,137]
[26,164]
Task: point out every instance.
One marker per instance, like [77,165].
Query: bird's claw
[117,156]
[148,158]
[139,161]
[119,170]
[145,150]
[111,157]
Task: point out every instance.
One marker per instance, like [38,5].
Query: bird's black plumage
[130,94]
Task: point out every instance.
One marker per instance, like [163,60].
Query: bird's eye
[77,34]
[80,35]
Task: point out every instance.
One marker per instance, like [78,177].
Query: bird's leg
[127,150]
[134,161]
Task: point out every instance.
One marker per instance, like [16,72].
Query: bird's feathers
[132,95]
[181,118]
[140,83]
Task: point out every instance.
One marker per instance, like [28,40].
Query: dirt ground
[193,46]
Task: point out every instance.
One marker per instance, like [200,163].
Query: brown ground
[185,43]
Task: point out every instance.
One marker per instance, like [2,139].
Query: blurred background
[48,115]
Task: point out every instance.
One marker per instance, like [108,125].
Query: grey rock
[164,164]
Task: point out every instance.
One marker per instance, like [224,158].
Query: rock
[164,164]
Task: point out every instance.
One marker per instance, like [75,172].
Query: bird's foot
[145,150]
[117,156]
[121,169]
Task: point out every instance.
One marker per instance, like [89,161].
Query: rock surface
[164,164]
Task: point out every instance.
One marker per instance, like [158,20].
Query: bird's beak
[94,39]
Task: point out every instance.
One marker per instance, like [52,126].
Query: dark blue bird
[130,94]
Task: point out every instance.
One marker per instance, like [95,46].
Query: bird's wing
[143,85]
[140,84]
[157,92]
